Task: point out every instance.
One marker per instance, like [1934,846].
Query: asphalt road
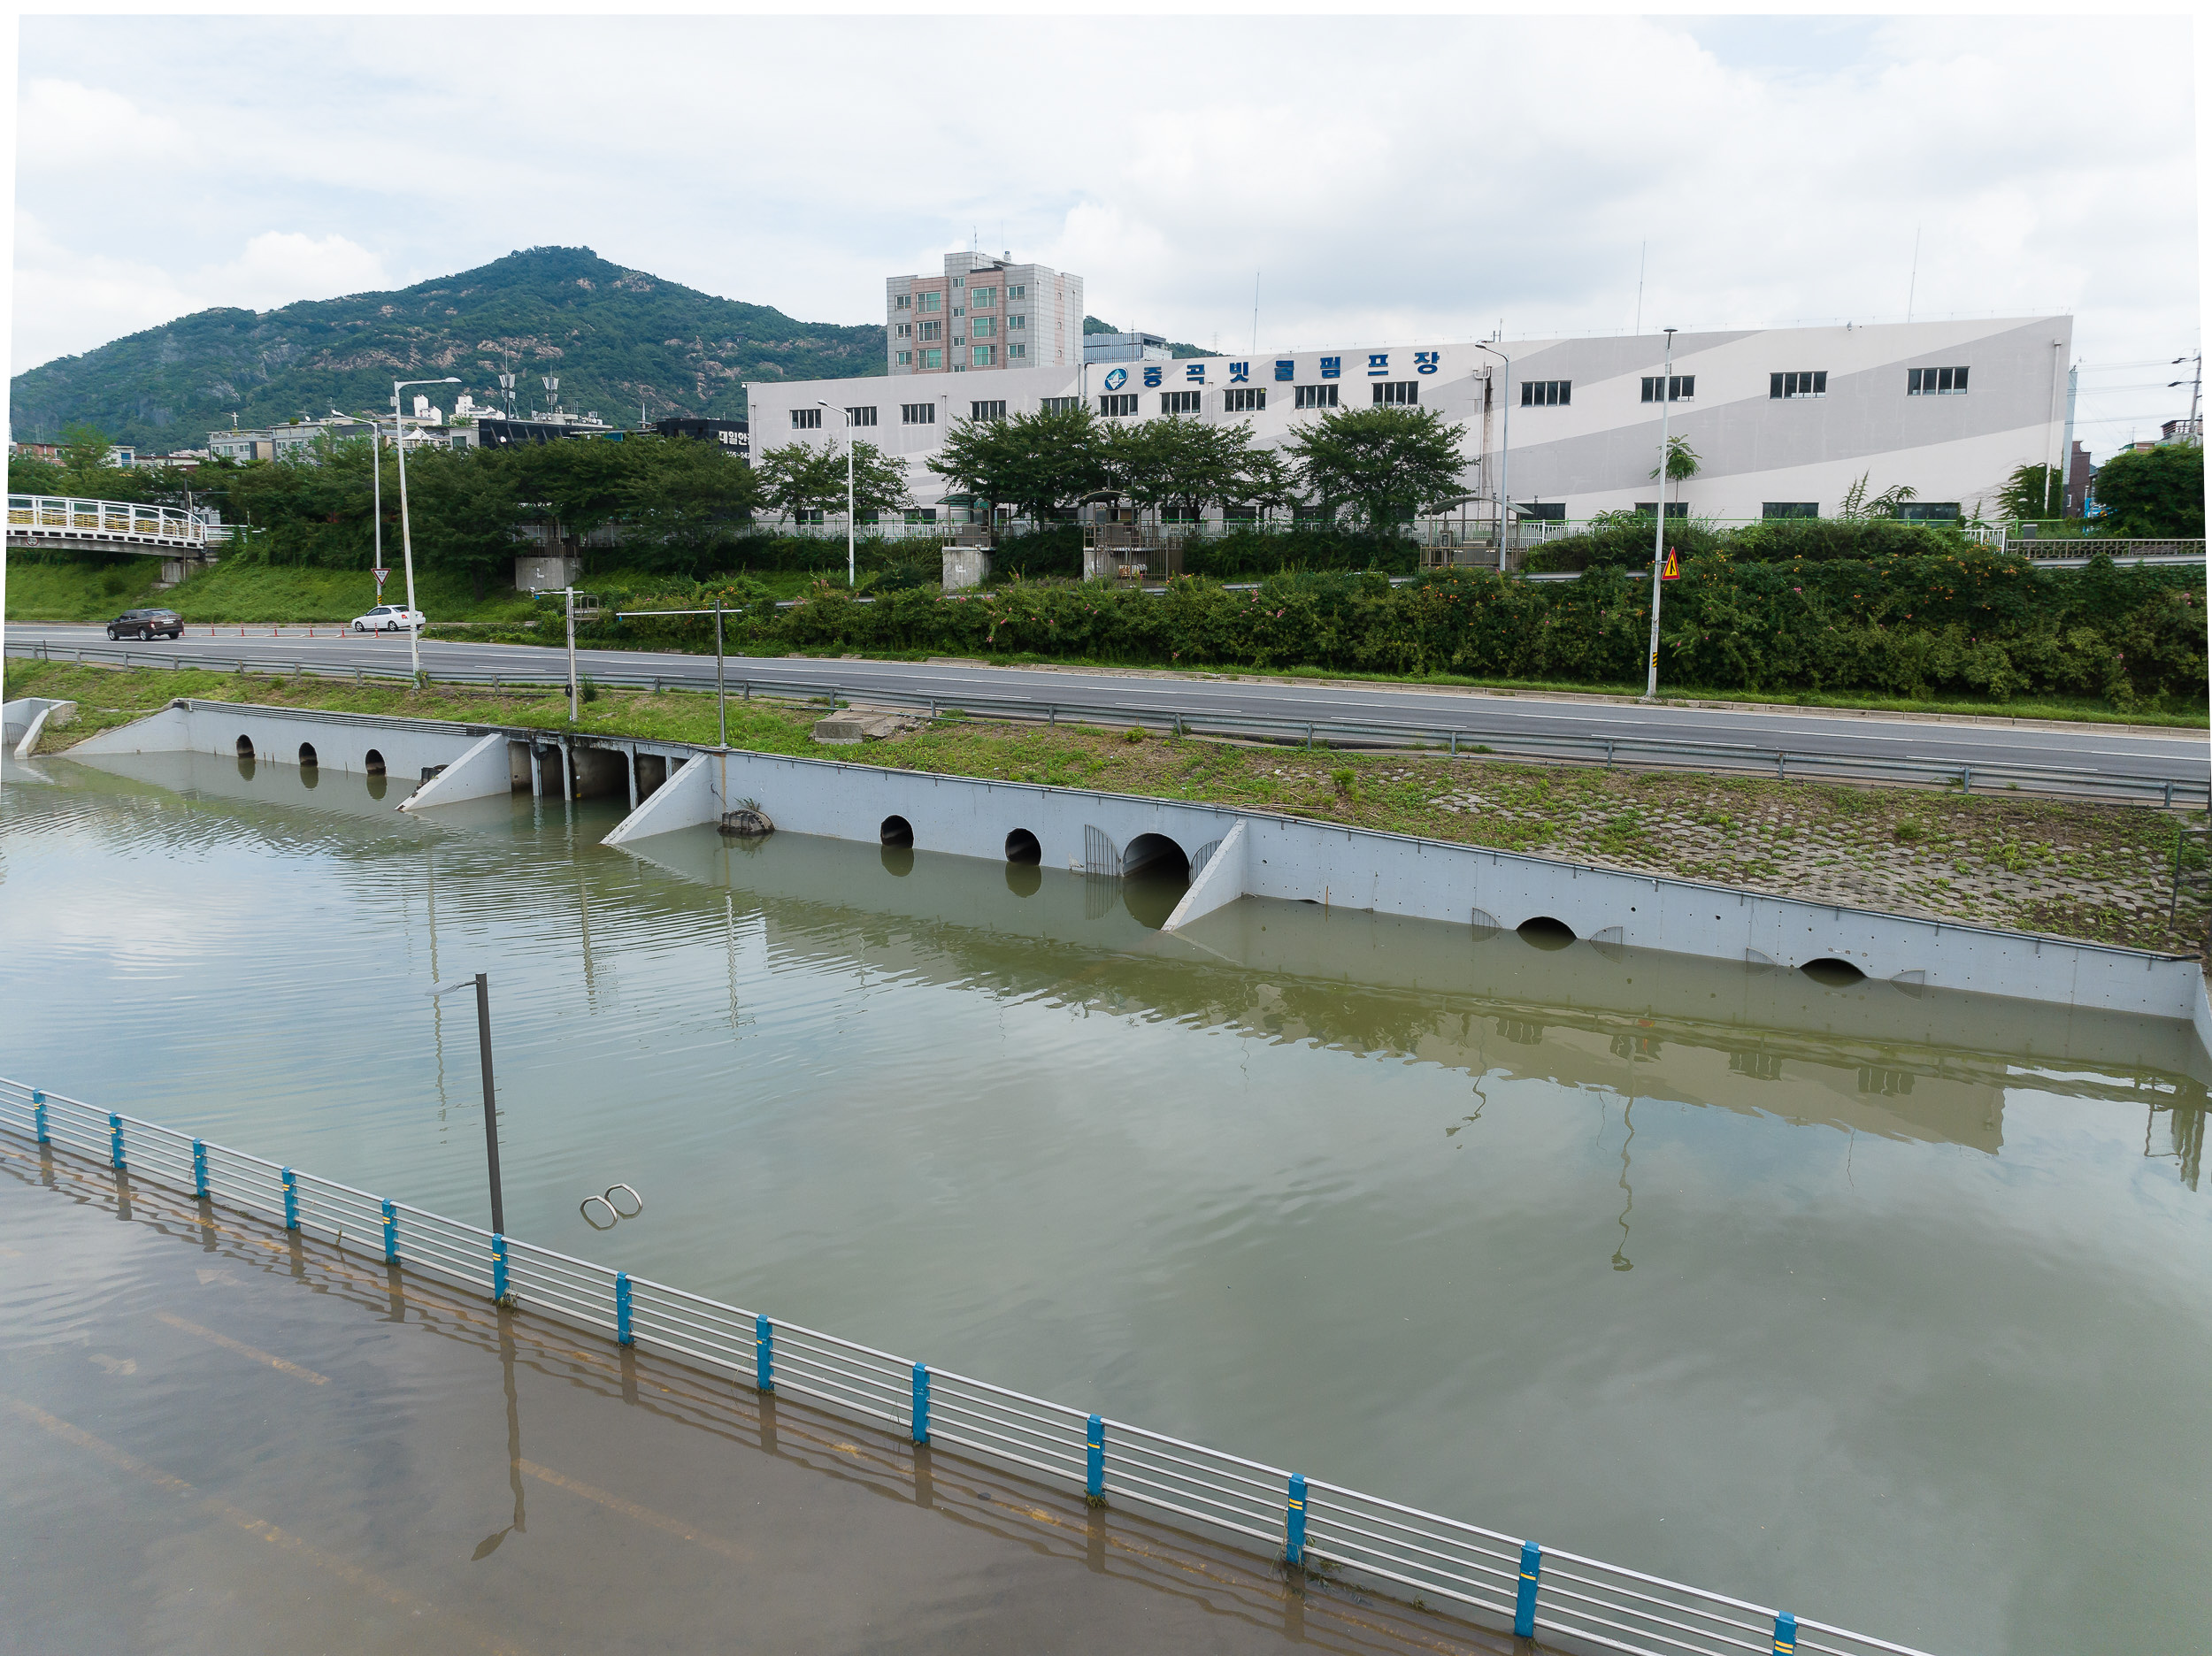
[2182,755]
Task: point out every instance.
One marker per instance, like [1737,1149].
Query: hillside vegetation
[614,336]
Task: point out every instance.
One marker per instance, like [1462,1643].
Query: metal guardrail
[1309,1525]
[33,518]
[1471,736]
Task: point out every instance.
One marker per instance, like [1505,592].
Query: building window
[931,330]
[1680,388]
[982,326]
[981,298]
[1798,385]
[1547,393]
[933,358]
[1244,400]
[1239,514]
[1912,511]
[806,419]
[1058,405]
[1313,514]
[1178,514]
[986,411]
[983,356]
[902,330]
[1935,382]
[1543,511]
[1675,508]
[929,302]
[1016,351]
[959,281]
[917,413]
[904,359]
[1314,396]
[905,302]
[1398,391]
[1790,509]
[1118,407]
[1178,402]
[861,416]
[1014,322]
[1017,291]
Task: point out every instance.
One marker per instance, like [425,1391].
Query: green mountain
[612,335]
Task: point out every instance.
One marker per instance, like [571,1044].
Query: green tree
[1034,462]
[1683,463]
[1385,463]
[1183,461]
[462,508]
[1265,481]
[796,479]
[2033,491]
[2152,491]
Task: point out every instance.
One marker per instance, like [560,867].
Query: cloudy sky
[1393,179]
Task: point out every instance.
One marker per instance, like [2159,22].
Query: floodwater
[1884,1307]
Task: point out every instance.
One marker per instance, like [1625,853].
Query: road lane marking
[242,1349]
[631,1510]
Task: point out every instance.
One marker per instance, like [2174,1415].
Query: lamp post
[1505,455]
[1659,536]
[406,534]
[852,574]
[484,1048]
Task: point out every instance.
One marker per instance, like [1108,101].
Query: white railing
[1305,1524]
[53,517]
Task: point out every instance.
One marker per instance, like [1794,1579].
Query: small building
[1126,346]
[735,435]
[981,315]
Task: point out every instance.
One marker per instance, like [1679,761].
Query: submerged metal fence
[1458,737]
[1578,1602]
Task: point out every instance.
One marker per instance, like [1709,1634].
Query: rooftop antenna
[1912,286]
[1255,314]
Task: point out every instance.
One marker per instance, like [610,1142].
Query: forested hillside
[614,336]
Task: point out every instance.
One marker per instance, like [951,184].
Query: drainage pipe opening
[897,832]
[1544,933]
[374,762]
[1021,846]
[307,753]
[1835,974]
[245,747]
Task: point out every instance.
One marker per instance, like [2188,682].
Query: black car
[146,624]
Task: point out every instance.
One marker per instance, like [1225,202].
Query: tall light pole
[1505,455]
[851,572]
[1659,536]
[406,533]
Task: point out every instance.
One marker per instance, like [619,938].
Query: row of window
[979,356]
[979,298]
[910,414]
[1812,382]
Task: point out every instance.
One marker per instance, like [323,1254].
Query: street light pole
[851,575]
[1659,536]
[406,532]
[491,1113]
[1505,455]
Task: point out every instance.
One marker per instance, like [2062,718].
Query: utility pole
[568,594]
[1505,458]
[721,707]
[1659,536]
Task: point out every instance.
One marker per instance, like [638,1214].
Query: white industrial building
[1784,421]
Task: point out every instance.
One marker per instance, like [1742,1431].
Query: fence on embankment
[1459,736]
[1571,1601]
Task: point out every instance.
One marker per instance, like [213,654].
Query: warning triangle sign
[1671,569]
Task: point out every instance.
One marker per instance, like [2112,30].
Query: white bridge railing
[33,518]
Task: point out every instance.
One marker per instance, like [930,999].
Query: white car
[391,618]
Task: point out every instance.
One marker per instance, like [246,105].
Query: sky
[1391,179]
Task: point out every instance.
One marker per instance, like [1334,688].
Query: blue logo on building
[1117,379]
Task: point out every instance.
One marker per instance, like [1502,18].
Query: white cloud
[1388,178]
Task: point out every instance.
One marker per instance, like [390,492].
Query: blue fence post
[1294,1522]
[763,1354]
[921,1403]
[115,1142]
[291,1201]
[391,1233]
[622,1308]
[1095,1459]
[38,1115]
[199,1169]
[1785,1634]
[1524,1600]
[499,1266]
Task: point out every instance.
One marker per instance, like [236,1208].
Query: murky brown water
[1880,1307]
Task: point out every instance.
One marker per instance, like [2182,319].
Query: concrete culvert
[245,747]
[1835,974]
[307,753]
[897,832]
[374,762]
[1021,846]
[1544,933]
[1155,854]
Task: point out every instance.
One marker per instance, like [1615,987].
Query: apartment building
[983,315]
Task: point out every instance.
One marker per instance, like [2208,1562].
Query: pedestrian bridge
[49,523]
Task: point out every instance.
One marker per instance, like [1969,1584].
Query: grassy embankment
[2097,871]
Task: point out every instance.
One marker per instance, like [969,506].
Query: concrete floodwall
[400,748]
